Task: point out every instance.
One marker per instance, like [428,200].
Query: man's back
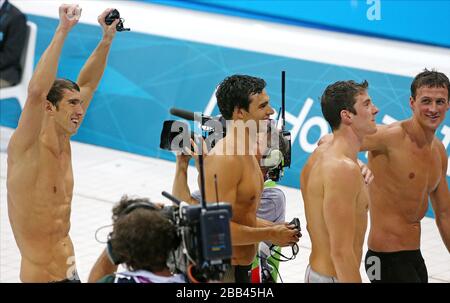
[318,167]
[406,172]
[40,187]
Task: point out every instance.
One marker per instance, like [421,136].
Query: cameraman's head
[142,236]
[242,97]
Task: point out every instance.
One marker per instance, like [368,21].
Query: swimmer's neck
[419,134]
[55,135]
[234,141]
[347,143]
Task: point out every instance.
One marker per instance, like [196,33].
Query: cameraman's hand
[187,152]
[284,234]
[109,31]
[182,157]
[159,205]
[69,14]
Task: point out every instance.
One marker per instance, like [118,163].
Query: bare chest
[416,168]
[55,174]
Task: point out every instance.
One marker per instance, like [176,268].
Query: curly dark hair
[142,238]
[235,91]
[429,78]
[340,96]
[56,92]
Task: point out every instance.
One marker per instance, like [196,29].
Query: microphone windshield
[183,113]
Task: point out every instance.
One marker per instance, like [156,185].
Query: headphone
[276,158]
[115,259]
[272,158]
[273,161]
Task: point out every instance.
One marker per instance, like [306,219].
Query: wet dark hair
[340,96]
[235,91]
[429,78]
[142,238]
[56,93]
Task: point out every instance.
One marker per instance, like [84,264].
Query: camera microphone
[171,198]
[188,115]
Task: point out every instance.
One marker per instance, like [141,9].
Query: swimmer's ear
[411,103]
[346,117]
[238,113]
[49,107]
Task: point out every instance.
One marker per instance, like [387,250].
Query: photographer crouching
[142,240]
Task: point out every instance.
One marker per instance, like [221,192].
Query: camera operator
[242,100]
[141,240]
[272,206]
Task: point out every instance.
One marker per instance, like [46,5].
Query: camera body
[205,239]
[175,135]
[112,16]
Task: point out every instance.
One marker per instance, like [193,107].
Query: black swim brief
[396,267]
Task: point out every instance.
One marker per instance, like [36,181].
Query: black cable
[273,265]
[100,228]
[294,255]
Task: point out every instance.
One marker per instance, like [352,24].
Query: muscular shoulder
[391,131]
[341,170]
[439,148]
[16,146]
[221,160]
[343,180]
[438,145]
[313,165]
[228,165]
[385,136]
[343,164]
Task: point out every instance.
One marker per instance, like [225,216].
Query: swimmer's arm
[263,223]
[92,71]
[180,188]
[440,200]
[377,141]
[340,195]
[102,267]
[42,80]
[370,143]
[45,72]
[227,184]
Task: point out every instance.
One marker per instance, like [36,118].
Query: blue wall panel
[147,75]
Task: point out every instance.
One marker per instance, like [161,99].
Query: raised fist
[108,30]
[69,14]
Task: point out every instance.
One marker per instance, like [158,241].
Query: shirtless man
[272,205]
[333,189]
[410,165]
[240,181]
[40,178]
